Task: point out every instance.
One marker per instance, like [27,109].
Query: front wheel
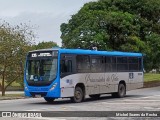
[78,95]
[49,100]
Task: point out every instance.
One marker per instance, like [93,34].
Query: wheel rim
[122,90]
[78,95]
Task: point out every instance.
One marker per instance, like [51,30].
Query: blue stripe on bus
[94,52]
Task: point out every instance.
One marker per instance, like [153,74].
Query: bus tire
[96,96]
[49,99]
[121,91]
[78,95]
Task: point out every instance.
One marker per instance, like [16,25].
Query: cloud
[48,15]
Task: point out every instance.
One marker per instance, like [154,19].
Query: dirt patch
[151,84]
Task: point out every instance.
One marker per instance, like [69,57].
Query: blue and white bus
[75,73]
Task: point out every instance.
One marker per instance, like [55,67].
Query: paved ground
[137,100]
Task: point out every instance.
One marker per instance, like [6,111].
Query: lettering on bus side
[89,78]
[114,77]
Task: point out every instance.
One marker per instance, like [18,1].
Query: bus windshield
[41,70]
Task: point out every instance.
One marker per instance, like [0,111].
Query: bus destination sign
[43,54]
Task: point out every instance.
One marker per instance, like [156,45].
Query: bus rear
[41,77]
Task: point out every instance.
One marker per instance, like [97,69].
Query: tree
[45,45]
[14,43]
[123,25]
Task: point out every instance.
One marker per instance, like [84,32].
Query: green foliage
[45,45]
[14,44]
[153,59]
[123,25]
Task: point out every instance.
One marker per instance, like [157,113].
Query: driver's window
[66,66]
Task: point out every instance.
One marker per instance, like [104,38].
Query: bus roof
[95,52]
[92,52]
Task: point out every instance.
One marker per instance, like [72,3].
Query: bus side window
[108,63]
[63,66]
[114,64]
[97,64]
[83,63]
[66,66]
[69,66]
[140,64]
[133,64]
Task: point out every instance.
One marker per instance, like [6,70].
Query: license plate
[38,96]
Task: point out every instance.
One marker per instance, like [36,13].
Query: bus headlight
[54,85]
[25,87]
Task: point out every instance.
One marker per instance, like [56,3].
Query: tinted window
[66,66]
[122,64]
[122,67]
[114,61]
[83,63]
[114,65]
[133,67]
[133,60]
[121,59]
[108,59]
[134,63]
[97,64]
[140,63]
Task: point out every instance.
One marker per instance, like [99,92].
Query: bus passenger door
[66,65]
[66,78]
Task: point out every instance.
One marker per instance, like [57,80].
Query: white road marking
[127,103]
[152,96]
[142,100]
[33,110]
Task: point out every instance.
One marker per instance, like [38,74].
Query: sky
[45,15]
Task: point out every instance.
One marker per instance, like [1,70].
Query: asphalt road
[147,99]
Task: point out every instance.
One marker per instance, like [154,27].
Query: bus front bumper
[39,92]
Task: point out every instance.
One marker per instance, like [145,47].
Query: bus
[74,73]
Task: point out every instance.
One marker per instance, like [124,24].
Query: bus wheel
[96,96]
[78,95]
[49,100]
[121,91]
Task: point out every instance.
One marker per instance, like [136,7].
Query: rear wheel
[96,96]
[78,95]
[49,100]
[121,91]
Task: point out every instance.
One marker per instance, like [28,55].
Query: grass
[11,96]
[15,84]
[151,77]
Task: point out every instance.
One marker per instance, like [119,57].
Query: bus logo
[131,75]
